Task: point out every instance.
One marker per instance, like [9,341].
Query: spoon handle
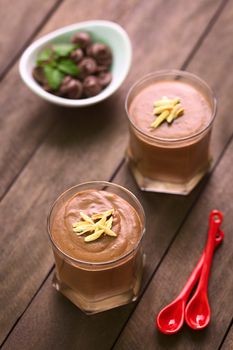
[215,221]
[193,278]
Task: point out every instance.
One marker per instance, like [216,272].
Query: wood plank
[228,342]
[33,117]
[160,204]
[204,61]
[140,331]
[29,118]
[17,30]
[173,206]
[49,306]
[76,327]
[62,153]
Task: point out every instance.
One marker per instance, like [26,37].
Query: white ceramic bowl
[108,32]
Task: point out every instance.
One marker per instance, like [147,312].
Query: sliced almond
[163,116]
[108,231]
[86,218]
[99,216]
[109,222]
[174,112]
[103,225]
[81,223]
[158,110]
[83,229]
[94,236]
[179,113]
[102,221]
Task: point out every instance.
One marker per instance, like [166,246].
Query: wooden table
[46,149]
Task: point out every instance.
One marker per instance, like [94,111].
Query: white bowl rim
[31,83]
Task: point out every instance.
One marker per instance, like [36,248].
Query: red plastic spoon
[171,318]
[197,312]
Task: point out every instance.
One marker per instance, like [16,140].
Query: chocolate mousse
[126,225]
[167,153]
[96,235]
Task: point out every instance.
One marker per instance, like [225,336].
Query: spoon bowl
[171,318]
[198,311]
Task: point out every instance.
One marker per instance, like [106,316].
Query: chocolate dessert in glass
[171,115]
[96,231]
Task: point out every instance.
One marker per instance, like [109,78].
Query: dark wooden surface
[38,140]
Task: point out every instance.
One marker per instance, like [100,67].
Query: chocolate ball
[91,86]
[77,55]
[101,53]
[83,39]
[102,68]
[71,88]
[47,88]
[38,75]
[87,67]
[66,80]
[105,78]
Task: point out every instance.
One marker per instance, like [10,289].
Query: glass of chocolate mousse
[171,114]
[96,230]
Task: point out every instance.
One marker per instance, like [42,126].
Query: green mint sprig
[68,66]
[53,76]
[63,50]
[56,63]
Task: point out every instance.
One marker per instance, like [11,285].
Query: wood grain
[19,25]
[210,339]
[176,267]
[69,154]
[25,119]
[59,163]
[68,317]
[174,207]
[228,342]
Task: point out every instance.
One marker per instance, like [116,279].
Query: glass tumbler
[95,287]
[169,165]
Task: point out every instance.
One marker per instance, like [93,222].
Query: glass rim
[172,72]
[102,263]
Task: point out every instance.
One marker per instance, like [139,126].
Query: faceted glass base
[92,305]
[152,185]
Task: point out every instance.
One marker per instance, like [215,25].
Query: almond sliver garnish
[166,109]
[109,223]
[158,110]
[99,216]
[86,218]
[177,111]
[83,229]
[94,236]
[81,223]
[163,116]
[108,231]
[102,221]
[88,225]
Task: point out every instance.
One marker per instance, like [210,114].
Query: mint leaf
[44,56]
[63,50]
[54,76]
[68,67]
